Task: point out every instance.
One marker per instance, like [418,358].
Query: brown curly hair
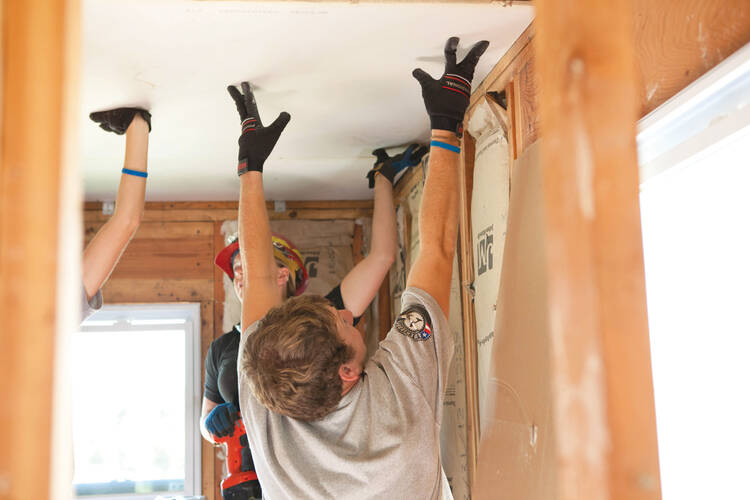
[292,360]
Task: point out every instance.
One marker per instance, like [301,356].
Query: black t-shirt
[221,360]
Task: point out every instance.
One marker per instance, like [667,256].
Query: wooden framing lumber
[39,57]
[221,211]
[505,3]
[466,276]
[603,420]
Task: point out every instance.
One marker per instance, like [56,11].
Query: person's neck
[347,386]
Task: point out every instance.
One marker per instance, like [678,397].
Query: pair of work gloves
[220,421]
[446,100]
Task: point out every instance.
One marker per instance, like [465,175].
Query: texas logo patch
[414,322]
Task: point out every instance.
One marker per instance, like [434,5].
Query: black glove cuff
[385,169]
[440,122]
[246,165]
[146,117]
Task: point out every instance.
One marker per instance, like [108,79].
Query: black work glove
[256,141]
[446,99]
[220,422]
[390,166]
[118,120]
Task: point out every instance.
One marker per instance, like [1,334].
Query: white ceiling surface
[343,71]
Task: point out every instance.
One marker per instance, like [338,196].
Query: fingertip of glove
[482,46]
[451,44]
[420,74]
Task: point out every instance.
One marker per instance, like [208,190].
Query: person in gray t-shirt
[104,250]
[322,422]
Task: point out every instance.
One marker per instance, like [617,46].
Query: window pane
[696,236]
[129,411]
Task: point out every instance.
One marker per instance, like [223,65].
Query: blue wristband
[445,145]
[134,172]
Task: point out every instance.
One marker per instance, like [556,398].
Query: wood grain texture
[603,401]
[32,157]
[466,276]
[222,214]
[506,68]
[527,103]
[233,205]
[168,250]
[679,40]
[127,290]
[500,2]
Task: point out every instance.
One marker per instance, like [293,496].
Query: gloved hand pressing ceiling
[390,166]
[446,99]
[256,141]
[118,120]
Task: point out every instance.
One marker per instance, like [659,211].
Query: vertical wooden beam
[36,53]
[603,403]
[211,464]
[466,275]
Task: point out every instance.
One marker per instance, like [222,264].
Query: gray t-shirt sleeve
[89,307]
[420,345]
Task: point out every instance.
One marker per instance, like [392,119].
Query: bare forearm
[438,224]
[361,284]
[132,191]
[438,213]
[384,237]
[105,249]
[256,251]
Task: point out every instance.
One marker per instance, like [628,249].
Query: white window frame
[119,317]
[709,114]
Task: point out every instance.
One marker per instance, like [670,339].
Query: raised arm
[104,250]
[255,144]
[446,101]
[361,284]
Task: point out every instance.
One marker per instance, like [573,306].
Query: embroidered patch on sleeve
[414,322]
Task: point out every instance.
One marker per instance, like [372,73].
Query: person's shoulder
[249,331]
[416,296]
[227,339]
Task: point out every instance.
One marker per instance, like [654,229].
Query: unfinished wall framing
[171,259]
[674,42]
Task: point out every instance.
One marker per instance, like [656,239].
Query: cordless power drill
[242,482]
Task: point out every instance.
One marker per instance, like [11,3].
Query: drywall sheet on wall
[453,437]
[516,455]
[489,213]
[326,248]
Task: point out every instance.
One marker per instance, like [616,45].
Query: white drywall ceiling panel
[343,71]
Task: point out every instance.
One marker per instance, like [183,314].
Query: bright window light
[695,208]
[136,402]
